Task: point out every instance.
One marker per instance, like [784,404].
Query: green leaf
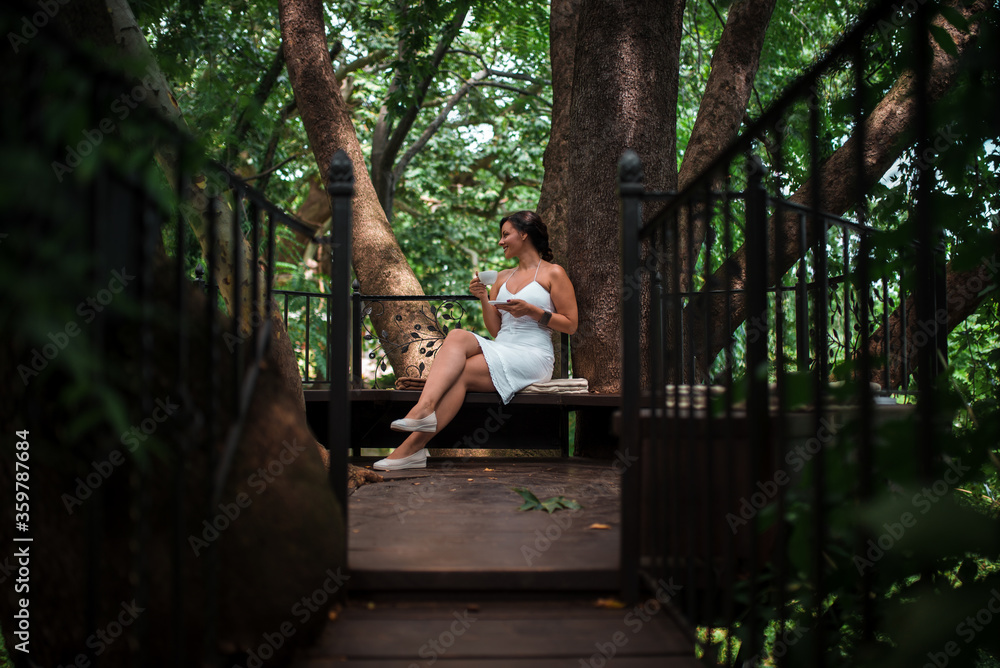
[552,504]
[944,40]
[954,17]
[530,500]
[571,504]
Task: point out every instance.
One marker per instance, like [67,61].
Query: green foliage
[552,504]
[927,540]
[486,159]
[4,657]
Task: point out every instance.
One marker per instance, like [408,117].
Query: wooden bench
[531,421]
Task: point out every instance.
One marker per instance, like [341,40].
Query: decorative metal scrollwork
[425,333]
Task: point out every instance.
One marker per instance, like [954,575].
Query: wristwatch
[546,316]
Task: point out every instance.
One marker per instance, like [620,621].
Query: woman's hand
[519,308]
[478,288]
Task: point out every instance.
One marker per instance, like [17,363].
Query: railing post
[356,335]
[631,191]
[340,186]
[758,405]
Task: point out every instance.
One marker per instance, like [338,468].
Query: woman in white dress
[532,300]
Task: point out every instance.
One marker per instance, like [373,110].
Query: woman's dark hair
[530,223]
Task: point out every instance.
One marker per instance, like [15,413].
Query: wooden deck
[456,526]
[446,570]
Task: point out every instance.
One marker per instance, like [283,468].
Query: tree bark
[624,95]
[722,110]
[378,261]
[553,202]
[885,133]
[625,75]
[113,20]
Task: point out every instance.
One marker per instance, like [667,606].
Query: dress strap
[504,283]
[537,267]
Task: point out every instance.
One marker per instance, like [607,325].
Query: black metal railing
[95,202]
[775,357]
[306,317]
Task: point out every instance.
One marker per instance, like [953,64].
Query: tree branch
[515,89]
[386,140]
[364,61]
[405,124]
[434,126]
[885,131]
[272,169]
[259,97]
[499,73]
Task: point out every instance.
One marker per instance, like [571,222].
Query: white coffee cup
[488,277]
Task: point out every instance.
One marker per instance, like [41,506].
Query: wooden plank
[444,662]
[538,398]
[456,525]
[481,580]
[512,631]
[458,522]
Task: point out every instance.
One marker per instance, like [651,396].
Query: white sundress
[521,353]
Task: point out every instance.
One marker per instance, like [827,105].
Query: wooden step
[452,634]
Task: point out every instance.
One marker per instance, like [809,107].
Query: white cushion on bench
[559,386]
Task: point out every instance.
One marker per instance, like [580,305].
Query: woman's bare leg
[475,377]
[448,367]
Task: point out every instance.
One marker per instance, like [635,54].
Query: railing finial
[340,178]
[630,173]
[755,167]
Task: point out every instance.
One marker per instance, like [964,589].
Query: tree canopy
[225,66]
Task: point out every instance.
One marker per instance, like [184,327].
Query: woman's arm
[491,316]
[564,319]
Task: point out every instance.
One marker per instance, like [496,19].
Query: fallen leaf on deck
[597,525]
[552,504]
[471,479]
[612,603]
[489,469]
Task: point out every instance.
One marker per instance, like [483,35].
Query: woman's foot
[424,424]
[418,460]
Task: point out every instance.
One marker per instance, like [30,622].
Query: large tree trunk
[887,134]
[553,202]
[378,261]
[112,22]
[625,74]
